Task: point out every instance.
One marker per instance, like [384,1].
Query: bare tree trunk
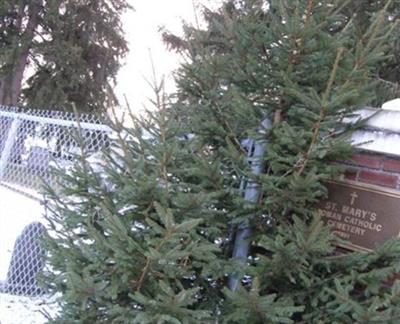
[14,80]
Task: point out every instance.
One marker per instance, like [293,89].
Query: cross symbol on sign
[353,196]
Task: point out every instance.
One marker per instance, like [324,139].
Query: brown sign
[366,216]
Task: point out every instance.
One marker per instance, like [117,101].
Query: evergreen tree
[139,234]
[149,239]
[70,51]
[387,71]
[18,23]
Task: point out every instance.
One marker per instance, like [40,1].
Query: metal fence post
[6,153]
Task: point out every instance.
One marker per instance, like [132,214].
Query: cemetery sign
[364,215]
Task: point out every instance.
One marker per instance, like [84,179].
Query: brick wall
[372,168]
[377,161]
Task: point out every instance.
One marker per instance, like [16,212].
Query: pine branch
[139,282]
[322,111]
[298,42]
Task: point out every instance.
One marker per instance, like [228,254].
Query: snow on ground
[24,310]
[17,211]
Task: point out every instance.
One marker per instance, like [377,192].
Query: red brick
[391,165]
[350,175]
[382,179]
[366,160]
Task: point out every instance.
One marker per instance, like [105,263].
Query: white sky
[141,28]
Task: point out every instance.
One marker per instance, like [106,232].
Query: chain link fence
[31,143]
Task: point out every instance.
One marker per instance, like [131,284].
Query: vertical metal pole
[256,152]
[6,153]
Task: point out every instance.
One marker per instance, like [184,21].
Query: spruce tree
[18,23]
[387,71]
[139,234]
[81,47]
[149,238]
[60,53]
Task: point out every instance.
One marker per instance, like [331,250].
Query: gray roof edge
[377,119]
[380,133]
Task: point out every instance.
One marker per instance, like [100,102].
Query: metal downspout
[252,193]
